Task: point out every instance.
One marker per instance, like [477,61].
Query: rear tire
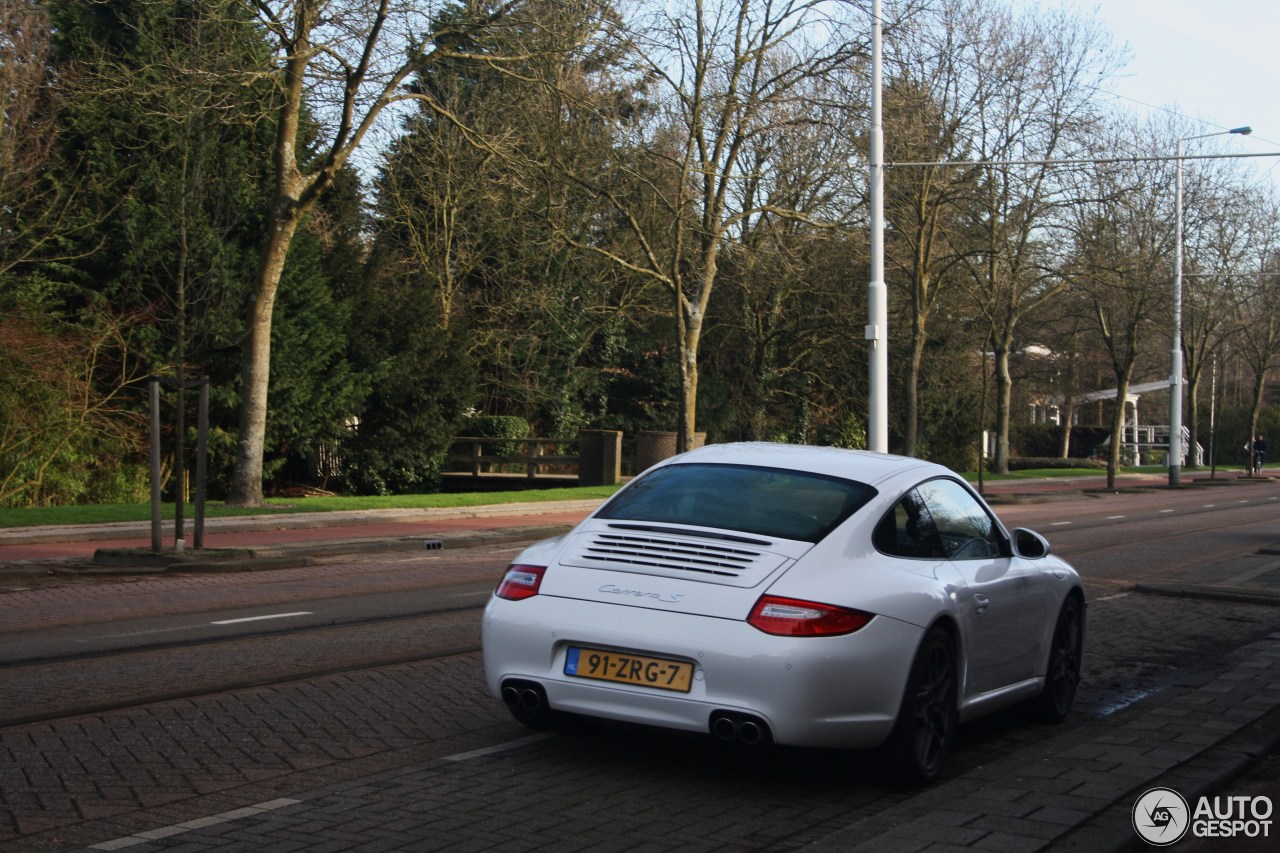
[1065,656]
[927,721]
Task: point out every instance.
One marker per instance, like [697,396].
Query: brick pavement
[418,756]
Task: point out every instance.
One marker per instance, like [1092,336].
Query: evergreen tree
[177,148]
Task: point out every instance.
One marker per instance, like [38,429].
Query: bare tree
[1258,334]
[781,324]
[1039,77]
[1119,273]
[722,76]
[931,107]
[436,183]
[1228,227]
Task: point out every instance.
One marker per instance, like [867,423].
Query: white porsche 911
[804,596]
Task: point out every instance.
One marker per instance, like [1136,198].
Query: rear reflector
[790,617]
[520,582]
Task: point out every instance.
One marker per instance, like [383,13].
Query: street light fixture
[1175,373]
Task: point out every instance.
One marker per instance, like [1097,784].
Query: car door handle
[980,604]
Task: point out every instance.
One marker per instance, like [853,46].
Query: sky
[1217,62]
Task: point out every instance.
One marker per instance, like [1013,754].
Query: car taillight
[790,617]
[520,582]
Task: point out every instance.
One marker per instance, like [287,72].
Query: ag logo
[1161,816]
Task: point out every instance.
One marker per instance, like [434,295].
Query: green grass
[1044,474]
[107,513]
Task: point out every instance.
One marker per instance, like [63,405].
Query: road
[342,705]
[1117,540]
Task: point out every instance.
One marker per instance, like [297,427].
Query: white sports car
[805,596]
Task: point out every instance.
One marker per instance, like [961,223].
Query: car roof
[860,465]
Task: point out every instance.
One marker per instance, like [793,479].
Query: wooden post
[153,392]
[202,464]
[532,460]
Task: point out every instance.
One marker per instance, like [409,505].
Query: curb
[1211,591]
[113,561]
[1207,774]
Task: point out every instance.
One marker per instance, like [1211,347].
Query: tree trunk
[690,340]
[1123,377]
[688,399]
[283,218]
[911,427]
[1255,411]
[1117,431]
[1192,420]
[246,482]
[1068,414]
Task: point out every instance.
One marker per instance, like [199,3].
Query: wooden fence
[592,458]
[544,459]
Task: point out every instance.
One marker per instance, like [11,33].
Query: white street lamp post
[877,332]
[1175,373]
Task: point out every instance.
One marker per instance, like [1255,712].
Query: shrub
[499,426]
[1025,463]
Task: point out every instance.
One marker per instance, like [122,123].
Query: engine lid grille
[677,556]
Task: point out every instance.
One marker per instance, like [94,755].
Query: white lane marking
[1113,597]
[141,633]
[502,747]
[468,594]
[260,618]
[1060,523]
[1163,511]
[1207,506]
[193,627]
[197,823]
[1242,502]
[1114,517]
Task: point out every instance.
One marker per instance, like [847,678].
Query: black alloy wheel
[927,722]
[1065,656]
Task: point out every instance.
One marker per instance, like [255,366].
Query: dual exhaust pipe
[733,727]
[528,695]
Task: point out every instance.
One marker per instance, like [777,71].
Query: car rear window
[746,498]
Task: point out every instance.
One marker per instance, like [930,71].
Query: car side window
[908,531]
[967,530]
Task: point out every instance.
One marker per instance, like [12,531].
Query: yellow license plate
[629,669]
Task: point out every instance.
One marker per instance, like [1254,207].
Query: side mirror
[1029,544]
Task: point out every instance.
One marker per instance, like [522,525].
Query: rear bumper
[826,692]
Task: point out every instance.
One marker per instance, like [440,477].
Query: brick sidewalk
[1076,791]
